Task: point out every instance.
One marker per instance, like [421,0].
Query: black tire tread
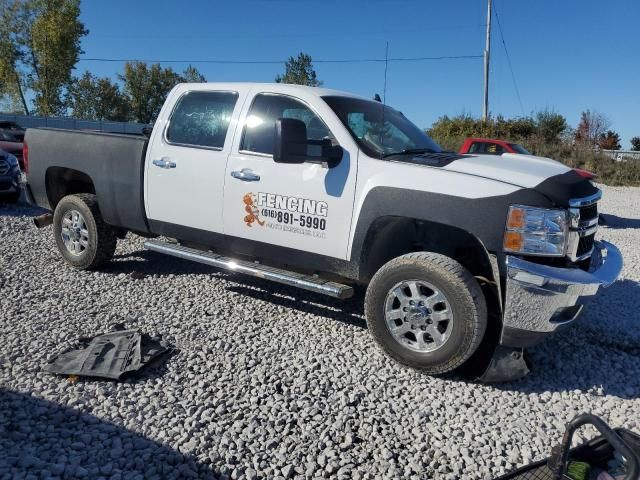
[456,273]
[107,235]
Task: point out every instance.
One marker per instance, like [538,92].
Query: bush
[547,135]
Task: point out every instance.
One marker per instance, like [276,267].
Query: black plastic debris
[109,355]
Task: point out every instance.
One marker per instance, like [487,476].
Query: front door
[186,161]
[300,206]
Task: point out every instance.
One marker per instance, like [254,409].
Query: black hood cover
[561,188]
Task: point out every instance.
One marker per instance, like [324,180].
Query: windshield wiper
[408,151]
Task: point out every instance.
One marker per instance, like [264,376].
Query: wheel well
[61,182]
[389,237]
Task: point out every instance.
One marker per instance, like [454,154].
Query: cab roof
[275,87]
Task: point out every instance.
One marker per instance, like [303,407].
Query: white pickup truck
[324,190]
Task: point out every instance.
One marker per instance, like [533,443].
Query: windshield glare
[379,130]
[519,149]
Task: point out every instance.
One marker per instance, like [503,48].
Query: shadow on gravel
[590,356]
[42,439]
[20,210]
[152,263]
[614,221]
[346,311]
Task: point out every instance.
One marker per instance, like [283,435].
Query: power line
[267,62]
[506,52]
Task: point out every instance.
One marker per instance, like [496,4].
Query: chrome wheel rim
[418,316]
[75,234]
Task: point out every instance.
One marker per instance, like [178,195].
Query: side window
[201,119]
[476,147]
[494,149]
[259,127]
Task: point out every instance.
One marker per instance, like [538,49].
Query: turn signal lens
[516,218]
[513,241]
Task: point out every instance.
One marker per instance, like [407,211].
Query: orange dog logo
[252,210]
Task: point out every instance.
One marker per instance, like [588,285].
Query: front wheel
[426,311]
[83,238]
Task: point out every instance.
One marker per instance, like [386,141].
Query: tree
[635,144]
[299,71]
[146,89]
[591,128]
[192,75]
[609,141]
[40,45]
[93,98]
[551,126]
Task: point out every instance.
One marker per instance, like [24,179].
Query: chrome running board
[293,279]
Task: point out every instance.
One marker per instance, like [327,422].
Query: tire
[96,242]
[445,330]
[10,197]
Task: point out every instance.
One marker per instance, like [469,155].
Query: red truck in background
[491,147]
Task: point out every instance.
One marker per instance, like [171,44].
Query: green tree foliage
[40,45]
[609,141]
[93,98]
[192,75]
[551,126]
[146,87]
[635,144]
[299,71]
[12,78]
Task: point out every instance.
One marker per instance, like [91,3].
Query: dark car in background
[9,178]
[13,128]
[11,142]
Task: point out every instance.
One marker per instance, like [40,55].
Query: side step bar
[294,279]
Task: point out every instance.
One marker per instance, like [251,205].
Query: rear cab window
[201,119]
[259,126]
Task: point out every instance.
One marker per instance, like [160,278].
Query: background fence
[623,155]
[74,124]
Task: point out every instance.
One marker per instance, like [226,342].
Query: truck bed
[114,162]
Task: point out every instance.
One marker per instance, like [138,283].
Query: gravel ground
[272,382]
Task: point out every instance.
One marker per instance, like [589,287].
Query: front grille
[584,223]
[589,212]
[585,244]
[5,185]
[4,167]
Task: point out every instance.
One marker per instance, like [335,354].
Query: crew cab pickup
[324,190]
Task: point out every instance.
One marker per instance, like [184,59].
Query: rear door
[186,159]
[300,206]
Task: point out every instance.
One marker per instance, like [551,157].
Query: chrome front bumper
[540,299]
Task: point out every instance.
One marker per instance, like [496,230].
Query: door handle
[164,162]
[246,175]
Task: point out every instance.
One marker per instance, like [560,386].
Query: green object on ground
[578,470]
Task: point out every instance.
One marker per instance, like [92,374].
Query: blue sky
[567,55]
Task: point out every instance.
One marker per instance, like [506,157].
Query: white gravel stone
[272,382]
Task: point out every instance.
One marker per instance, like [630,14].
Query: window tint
[259,127]
[202,119]
[494,149]
[476,147]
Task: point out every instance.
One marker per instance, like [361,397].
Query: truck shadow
[40,438]
[614,221]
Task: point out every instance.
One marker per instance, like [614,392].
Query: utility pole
[487,51]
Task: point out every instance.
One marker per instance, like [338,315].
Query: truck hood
[525,171]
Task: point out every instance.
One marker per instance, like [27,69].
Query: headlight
[536,231]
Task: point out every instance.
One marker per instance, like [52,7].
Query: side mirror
[291,145]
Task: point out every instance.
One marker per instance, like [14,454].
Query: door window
[494,149]
[476,147]
[201,119]
[260,124]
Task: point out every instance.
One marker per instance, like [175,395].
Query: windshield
[380,130]
[519,149]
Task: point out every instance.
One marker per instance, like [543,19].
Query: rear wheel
[82,237]
[426,311]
